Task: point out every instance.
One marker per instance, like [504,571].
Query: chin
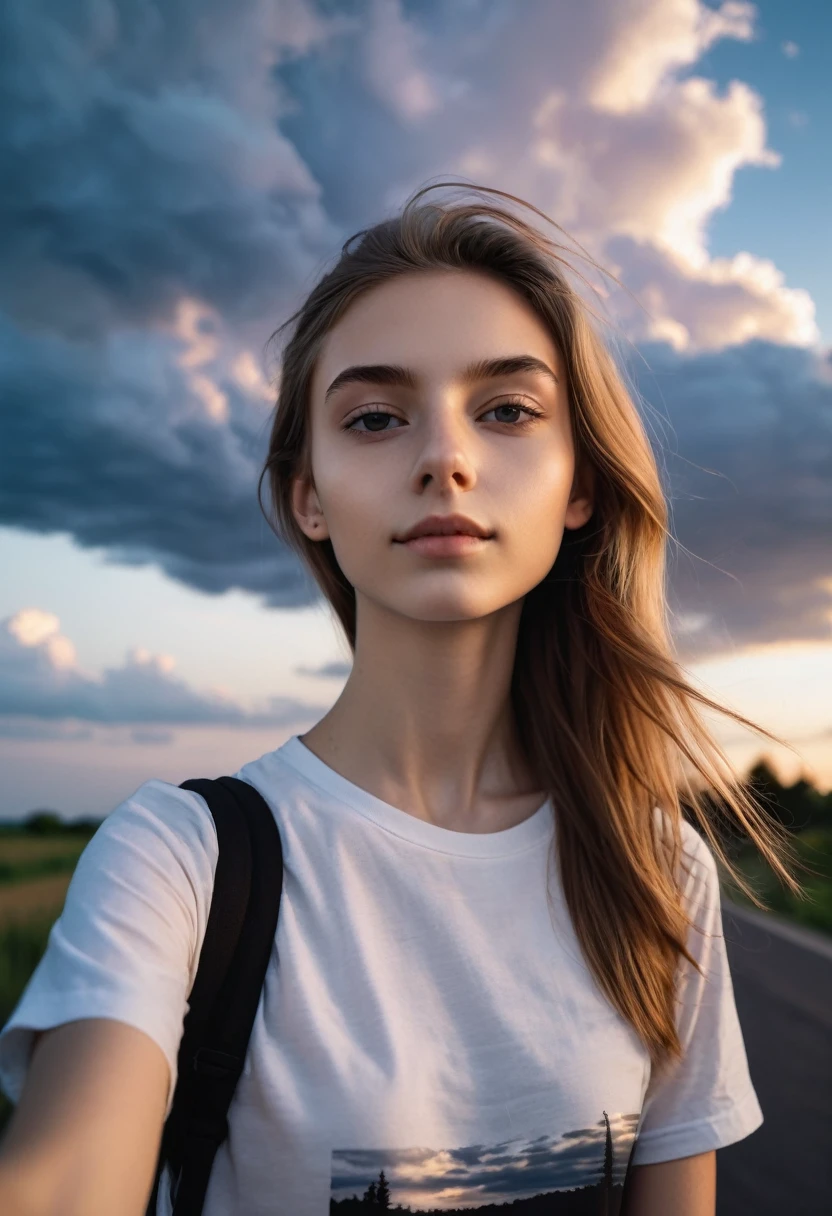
[449,607]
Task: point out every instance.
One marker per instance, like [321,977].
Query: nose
[445,459]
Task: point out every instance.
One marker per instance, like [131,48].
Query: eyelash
[515,402]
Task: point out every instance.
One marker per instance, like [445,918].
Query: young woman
[498,974]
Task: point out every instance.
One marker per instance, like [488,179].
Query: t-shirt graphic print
[426,1012]
[575,1174]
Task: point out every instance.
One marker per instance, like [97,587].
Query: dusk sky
[178,174]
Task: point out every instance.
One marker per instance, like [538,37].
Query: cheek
[359,517]
[535,497]
[354,506]
[532,518]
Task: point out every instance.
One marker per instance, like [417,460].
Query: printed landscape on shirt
[574,1174]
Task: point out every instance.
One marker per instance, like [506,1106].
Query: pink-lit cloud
[40,679]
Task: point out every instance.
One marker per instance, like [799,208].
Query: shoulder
[277,781]
[159,829]
[699,856]
[698,873]
[695,847]
[174,814]
[144,883]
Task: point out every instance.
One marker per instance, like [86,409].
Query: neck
[424,721]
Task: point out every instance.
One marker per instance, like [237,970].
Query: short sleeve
[127,942]
[706,1100]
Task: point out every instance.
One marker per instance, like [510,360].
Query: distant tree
[383,1193]
[49,823]
[764,778]
[43,823]
[797,806]
[370,1194]
[805,806]
[83,827]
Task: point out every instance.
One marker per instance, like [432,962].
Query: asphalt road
[783,990]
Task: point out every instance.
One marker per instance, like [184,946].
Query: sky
[176,178]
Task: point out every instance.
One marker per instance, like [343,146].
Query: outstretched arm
[84,1138]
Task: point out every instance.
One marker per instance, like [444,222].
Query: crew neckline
[531,831]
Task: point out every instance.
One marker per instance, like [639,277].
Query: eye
[515,409]
[374,422]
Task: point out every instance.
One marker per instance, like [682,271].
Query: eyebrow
[393,375]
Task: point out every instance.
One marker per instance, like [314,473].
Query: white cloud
[716,303]
[41,681]
[592,113]
[32,627]
[749,491]
[644,42]
[197,325]
[656,173]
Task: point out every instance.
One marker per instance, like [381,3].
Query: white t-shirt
[423,1014]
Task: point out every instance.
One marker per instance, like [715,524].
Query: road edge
[809,939]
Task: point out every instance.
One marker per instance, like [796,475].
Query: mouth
[448,544]
[445,526]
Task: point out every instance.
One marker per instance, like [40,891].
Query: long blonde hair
[603,708]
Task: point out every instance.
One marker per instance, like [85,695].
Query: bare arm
[85,1136]
[685,1187]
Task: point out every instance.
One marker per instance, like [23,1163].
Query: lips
[445,525]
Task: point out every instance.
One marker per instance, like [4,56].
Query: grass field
[814,909]
[21,900]
[24,931]
[35,870]
[28,850]
[34,876]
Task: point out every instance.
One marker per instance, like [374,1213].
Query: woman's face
[418,433]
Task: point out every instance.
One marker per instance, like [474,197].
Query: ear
[307,509]
[582,499]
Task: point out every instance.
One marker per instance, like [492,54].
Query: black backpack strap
[223,1003]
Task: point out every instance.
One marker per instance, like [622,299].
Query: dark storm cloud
[142,157]
[748,463]
[107,443]
[142,162]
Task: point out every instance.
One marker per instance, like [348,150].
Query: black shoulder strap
[239,935]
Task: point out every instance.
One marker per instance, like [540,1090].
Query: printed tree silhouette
[608,1160]
[377,1195]
[608,1154]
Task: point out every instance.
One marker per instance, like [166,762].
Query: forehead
[435,322]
